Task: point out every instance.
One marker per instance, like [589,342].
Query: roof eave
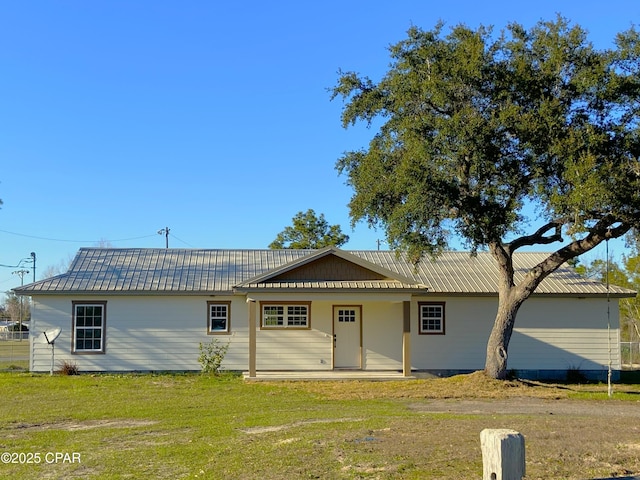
[248,290]
[113,293]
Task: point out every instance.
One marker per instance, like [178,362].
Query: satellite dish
[49,337]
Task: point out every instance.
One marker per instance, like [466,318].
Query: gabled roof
[330,268]
[195,271]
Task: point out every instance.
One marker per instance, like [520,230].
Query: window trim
[422,331]
[285,304]
[227,304]
[103,338]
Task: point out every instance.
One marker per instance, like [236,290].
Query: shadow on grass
[580,387]
[618,478]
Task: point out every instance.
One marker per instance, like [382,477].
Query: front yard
[196,426]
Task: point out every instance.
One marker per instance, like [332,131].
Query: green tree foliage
[630,307]
[475,126]
[309,231]
[17,308]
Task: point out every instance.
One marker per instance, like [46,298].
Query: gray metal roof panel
[460,273]
[181,271]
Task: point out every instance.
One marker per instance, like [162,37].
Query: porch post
[406,339]
[252,338]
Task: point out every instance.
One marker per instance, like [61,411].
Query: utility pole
[33,257]
[21,273]
[165,231]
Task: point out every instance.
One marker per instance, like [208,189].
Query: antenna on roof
[165,231]
[49,336]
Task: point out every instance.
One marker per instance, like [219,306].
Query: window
[431,317]
[218,315]
[89,326]
[285,315]
[346,315]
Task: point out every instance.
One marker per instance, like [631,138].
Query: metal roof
[195,271]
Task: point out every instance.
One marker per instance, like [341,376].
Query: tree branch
[601,231]
[538,238]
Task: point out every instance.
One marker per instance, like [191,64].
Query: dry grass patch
[473,385]
[278,428]
[85,425]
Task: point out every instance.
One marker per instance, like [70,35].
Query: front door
[347,337]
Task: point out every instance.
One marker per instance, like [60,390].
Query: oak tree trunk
[511,295]
[498,344]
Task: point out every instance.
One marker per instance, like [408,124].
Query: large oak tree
[471,127]
[309,231]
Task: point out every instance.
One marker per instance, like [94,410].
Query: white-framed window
[431,318]
[285,315]
[218,317]
[88,320]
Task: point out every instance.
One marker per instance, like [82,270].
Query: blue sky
[120,118]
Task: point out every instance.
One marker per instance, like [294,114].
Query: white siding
[549,334]
[382,335]
[142,333]
[293,350]
[287,349]
[463,346]
[163,333]
[559,334]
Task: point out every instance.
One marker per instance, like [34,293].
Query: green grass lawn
[196,426]
[14,354]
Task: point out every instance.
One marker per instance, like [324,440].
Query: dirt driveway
[529,406]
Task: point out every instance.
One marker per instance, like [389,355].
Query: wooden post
[406,339]
[252,338]
[502,454]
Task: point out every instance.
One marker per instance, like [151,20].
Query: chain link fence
[14,352]
[630,355]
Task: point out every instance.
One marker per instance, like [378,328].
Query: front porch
[301,370]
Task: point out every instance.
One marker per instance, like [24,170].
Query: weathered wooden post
[502,454]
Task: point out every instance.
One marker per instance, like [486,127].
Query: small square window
[431,318]
[346,316]
[218,317]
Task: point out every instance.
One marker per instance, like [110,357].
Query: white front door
[347,337]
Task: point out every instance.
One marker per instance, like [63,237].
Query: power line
[31,260]
[180,240]
[72,241]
